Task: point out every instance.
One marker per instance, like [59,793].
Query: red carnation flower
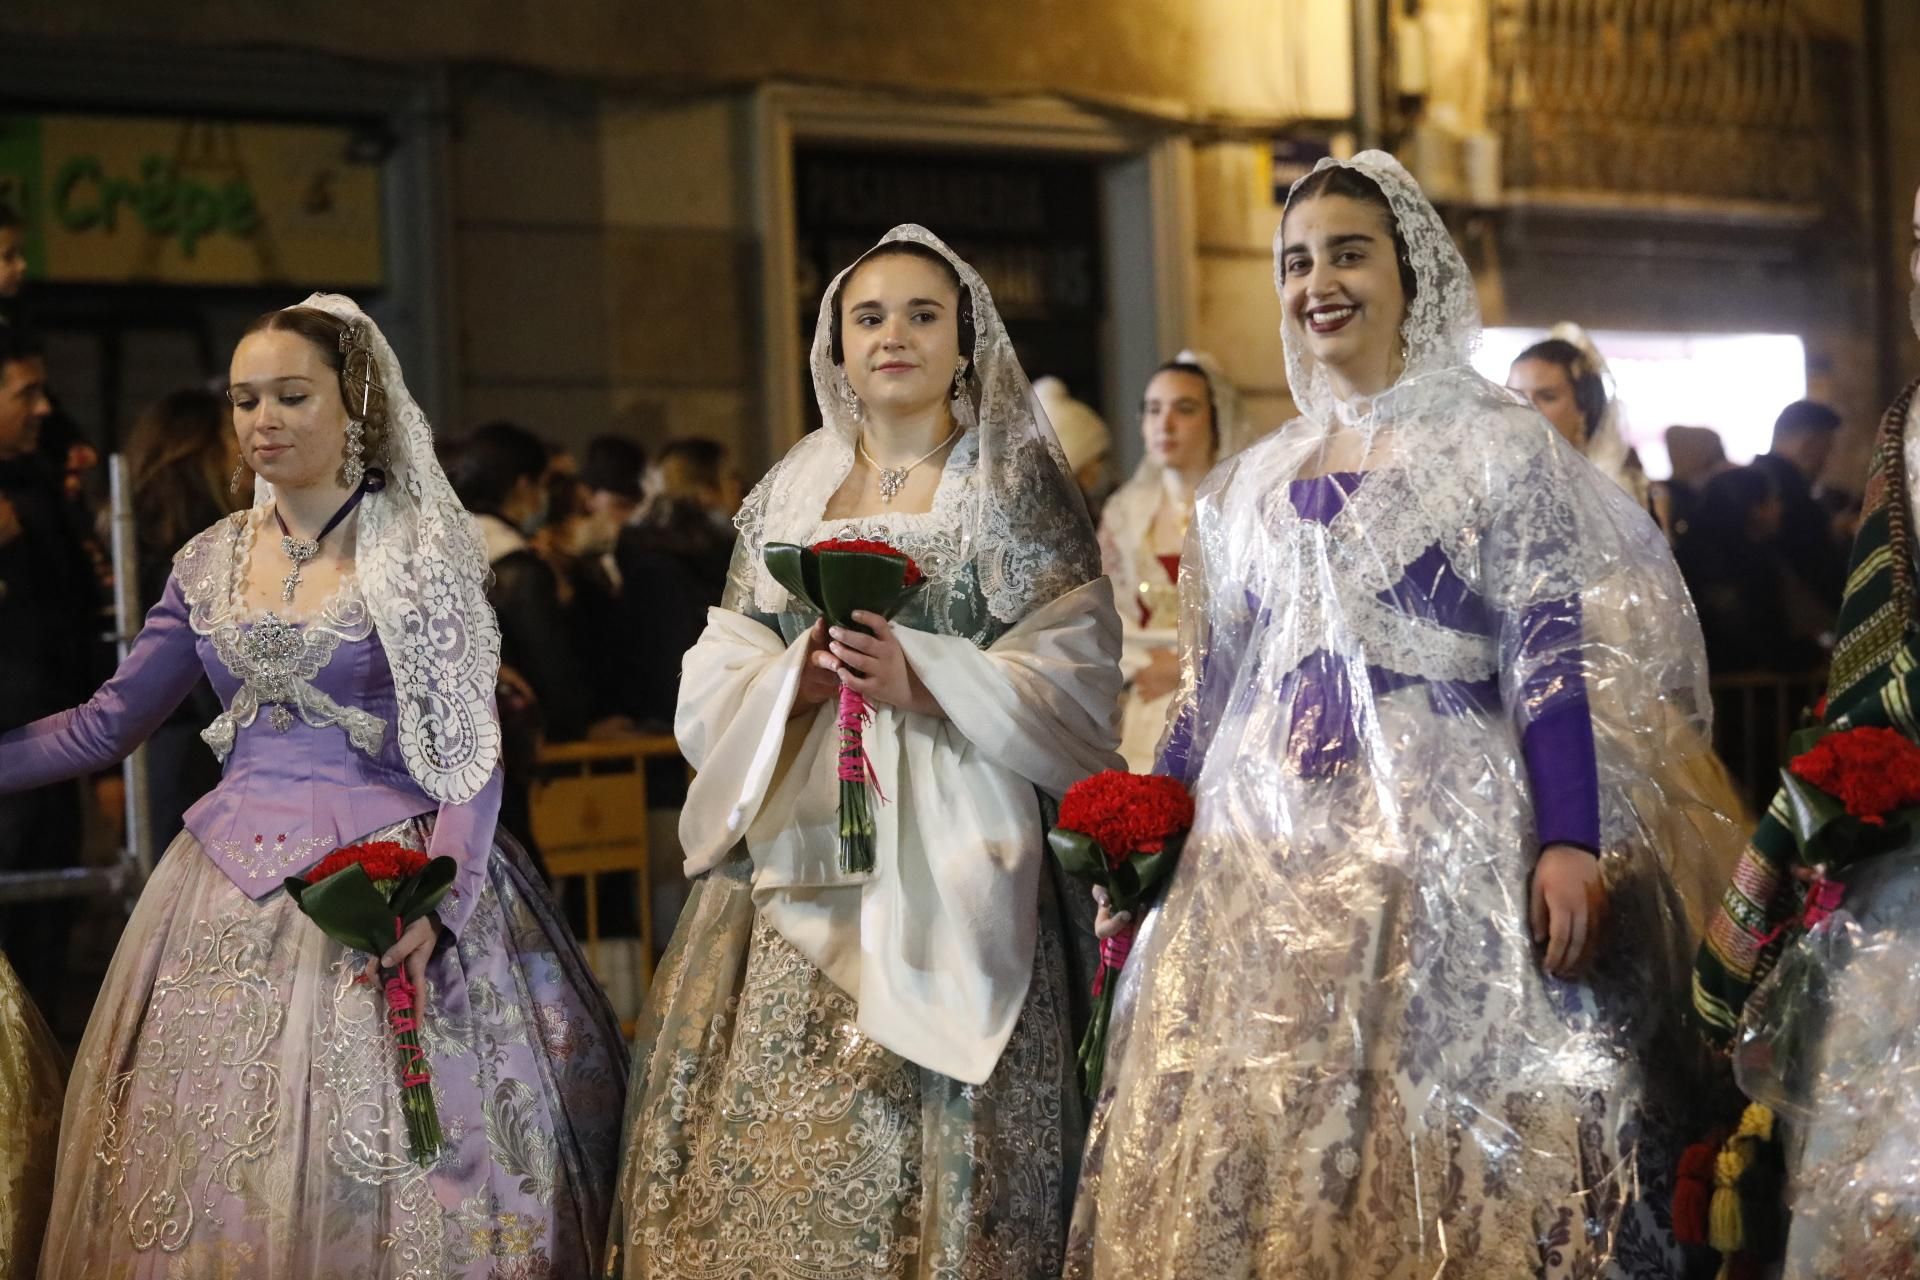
[1127,813]
[381,859]
[1873,772]
[870,547]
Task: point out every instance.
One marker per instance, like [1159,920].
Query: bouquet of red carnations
[837,577]
[1123,832]
[364,896]
[1851,792]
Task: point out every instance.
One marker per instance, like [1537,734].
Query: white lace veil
[1442,326]
[423,573]
[1131,507]
[1606,447]
[1025,531]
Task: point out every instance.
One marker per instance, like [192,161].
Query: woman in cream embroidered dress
[234,1108]
[873,1075]
[31,1079]
[1376,1027]
[1187,416]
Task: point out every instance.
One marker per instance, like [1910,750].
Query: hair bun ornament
[349,336]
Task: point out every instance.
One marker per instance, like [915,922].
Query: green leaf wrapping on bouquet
[1078,855]
[1813,816]
[1135,879]
[851,580]
[348,909]
[835,583]
[1129,883]
[795,570]
[419,894]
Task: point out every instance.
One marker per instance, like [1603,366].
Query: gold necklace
[893,479]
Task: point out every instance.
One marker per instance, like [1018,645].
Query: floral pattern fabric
[234,1109]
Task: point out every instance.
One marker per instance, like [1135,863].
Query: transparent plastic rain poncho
[1831,1042]
[1421,637]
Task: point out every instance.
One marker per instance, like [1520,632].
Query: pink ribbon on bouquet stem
[855,766]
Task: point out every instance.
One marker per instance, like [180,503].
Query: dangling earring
[852,397]
[354,469]
[959,380]
[233,484]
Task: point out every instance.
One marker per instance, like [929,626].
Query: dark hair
[1589,388]
[1805,417]
[689,464]
[906,249]
[177,460]
[495,458]
[1729,499]
[360,391]
[9,219]
[1213,401]
[614,464]
[18,343]
[1343,180]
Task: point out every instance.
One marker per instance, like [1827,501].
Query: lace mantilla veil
[1132,505]
[423,573]
[1025,530]
[1458,463]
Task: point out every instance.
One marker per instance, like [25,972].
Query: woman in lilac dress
[1433,670]
[234,1107]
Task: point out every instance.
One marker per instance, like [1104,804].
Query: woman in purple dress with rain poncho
[234,1108]
[1394,1015]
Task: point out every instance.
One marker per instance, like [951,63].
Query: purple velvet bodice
[1557,743]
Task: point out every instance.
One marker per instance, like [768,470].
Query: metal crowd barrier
[1753,716]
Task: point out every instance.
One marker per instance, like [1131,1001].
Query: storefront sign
[115,200]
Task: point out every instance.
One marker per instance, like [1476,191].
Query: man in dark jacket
[1815,554]
[49,621]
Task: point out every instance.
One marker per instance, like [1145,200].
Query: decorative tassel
[1693,1192]
[1726,1224]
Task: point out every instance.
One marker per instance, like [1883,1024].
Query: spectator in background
[1810,544]
[1083,437]
[500,475]
[1731,560]
[49,606]
[612,476]
[673,567]
[569,542]
[185,474]
[1697,455]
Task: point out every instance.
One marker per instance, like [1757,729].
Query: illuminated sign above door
[126,200]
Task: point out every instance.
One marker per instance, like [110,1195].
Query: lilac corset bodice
[311,762]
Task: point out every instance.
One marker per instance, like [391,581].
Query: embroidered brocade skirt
[768,1138]
[31,1078]
[234,1108]
[1335,1057]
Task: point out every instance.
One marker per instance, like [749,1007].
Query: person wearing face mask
[1183,419]
[871,1074]
[500,476]
[236,1095]
[1822,1016]
[1398,1011]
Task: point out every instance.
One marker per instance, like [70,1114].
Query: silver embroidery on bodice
[275,660]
